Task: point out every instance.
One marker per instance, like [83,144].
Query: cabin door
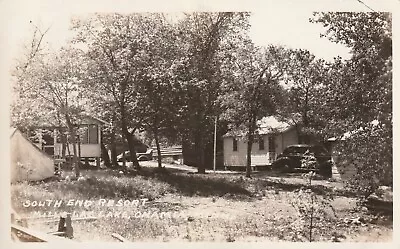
[271,149]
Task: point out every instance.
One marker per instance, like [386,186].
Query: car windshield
[317,150]
[296,150]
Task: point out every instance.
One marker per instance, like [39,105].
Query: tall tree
[21,116]
[157,87]
[306,79]
[118,53]
[253,92]
[50,86]
[205,38]
[359,97]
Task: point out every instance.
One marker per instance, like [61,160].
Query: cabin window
[235,144]
[89,134]
[271,144]
[261,143]
[84,134]
[93,134]
[47,137]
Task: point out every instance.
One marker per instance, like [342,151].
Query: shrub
[370,152]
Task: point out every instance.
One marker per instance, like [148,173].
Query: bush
[370,152]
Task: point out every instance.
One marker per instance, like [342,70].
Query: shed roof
[348,134]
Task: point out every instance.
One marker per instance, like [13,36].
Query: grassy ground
[176,206]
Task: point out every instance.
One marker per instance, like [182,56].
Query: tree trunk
[131,145]
[64,143]
[79,147]
[306,123]
[199,144]
[68,149]
[75,158]
[202,169]
[248,159]
[129,138]
[185,150]
[104,155]
[199,152]
[113,149]
[156,138]
[132,150]
[72,132]
[75,163]
[250,145]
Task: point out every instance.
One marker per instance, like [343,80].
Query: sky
[293,29]
[280,22]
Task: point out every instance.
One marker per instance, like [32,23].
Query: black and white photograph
[270,122]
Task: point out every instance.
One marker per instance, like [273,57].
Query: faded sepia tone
[192,126]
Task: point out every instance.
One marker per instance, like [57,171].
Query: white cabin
[274,136]
[89,146]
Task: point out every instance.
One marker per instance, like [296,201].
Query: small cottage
[273,137]
[50,140]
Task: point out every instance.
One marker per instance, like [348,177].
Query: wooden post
[40,138]
[99,134]
[65,226]
[79,148]
[99,143]
[55,142]
[69,231]
[61,224]
[215,143]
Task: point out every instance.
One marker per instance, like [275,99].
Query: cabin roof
[271,125]
[99,120]
[86,120]
[267,125]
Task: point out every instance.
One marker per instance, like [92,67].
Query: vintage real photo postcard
[270,122]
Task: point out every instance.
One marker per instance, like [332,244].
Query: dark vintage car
[319,159]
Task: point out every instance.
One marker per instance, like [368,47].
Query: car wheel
[286,168]
[326,170]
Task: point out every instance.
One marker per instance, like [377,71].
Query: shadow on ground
[235,186]
[315,188]
[155,182]
[199,184]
